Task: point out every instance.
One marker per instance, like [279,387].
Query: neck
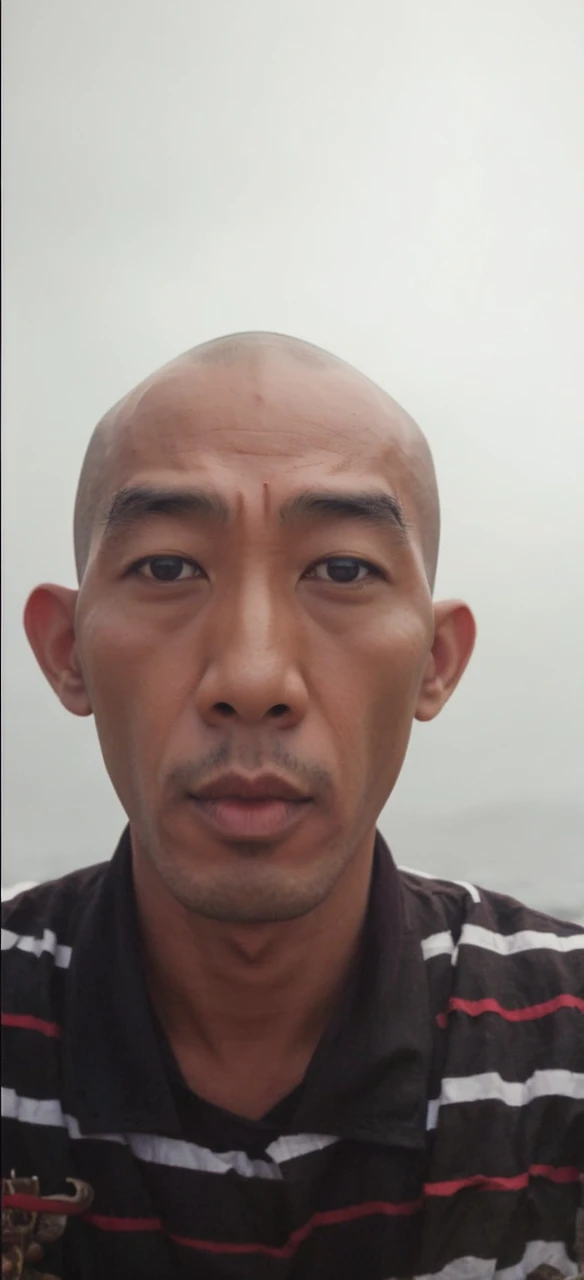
[258,996]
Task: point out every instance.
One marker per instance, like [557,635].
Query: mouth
[245,818]
[243,808]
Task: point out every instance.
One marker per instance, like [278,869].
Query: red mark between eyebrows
[267,502]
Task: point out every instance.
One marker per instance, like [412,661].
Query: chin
[250,893]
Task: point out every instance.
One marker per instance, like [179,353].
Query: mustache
[189,775]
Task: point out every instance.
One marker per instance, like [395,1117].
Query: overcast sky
[400,181]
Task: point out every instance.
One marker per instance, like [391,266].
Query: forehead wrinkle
[170,412]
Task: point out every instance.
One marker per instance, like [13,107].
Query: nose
[251,668]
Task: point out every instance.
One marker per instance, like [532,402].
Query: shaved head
[269,354]
[256,535]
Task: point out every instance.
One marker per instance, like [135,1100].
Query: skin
[257,658]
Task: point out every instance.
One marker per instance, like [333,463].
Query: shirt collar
[367,1079]
[114,1078]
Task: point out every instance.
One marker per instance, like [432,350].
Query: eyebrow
[376,507]
[131,506]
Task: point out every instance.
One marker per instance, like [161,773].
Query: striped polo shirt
[438,1132]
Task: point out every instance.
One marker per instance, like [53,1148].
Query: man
[267,1051]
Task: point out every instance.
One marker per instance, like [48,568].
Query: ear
[49,622]
[454,638]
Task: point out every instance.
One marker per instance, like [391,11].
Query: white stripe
[168,1151]
[292,1145]
[471,889]
[37,946]
[432,1113]
[474,935]
[437,944]
[187,1155]
[490,1086]
[552,1252]
[467,1268]
[524,940]
[538,1252]
[46,1111]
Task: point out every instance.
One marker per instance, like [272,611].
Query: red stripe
[29,1023]
[39,1204]
[475,1007]
[105,1223]
[334,1217]
[326,1218]
[555,1174]
[477,1180]
[566,1174]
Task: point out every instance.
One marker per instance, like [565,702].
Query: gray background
[400,181]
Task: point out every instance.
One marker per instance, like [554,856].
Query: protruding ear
[49,622]
[454,639]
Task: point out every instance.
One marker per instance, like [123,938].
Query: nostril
[225,708]
[279,710]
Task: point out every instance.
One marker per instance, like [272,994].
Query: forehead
[262,419]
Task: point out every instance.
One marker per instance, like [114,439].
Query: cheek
[138,686]
[372,681]
[388,656]
[392,660]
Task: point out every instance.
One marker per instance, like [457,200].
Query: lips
[264,786]
[250,808]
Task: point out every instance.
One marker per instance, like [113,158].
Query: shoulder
[466,923]
[506,984]
[505,1108]
[40,924]
[53,900]
[39,929]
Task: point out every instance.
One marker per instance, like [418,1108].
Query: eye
[344,570]
[166,568]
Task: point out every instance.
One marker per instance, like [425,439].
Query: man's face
[252,642]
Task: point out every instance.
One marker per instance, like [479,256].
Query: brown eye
[167,568]
[344,569]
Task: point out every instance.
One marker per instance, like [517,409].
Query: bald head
[269,359]
[256,531]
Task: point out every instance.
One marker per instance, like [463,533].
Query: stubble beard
[255,890]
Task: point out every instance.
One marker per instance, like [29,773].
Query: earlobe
[454,639]
[49,622]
